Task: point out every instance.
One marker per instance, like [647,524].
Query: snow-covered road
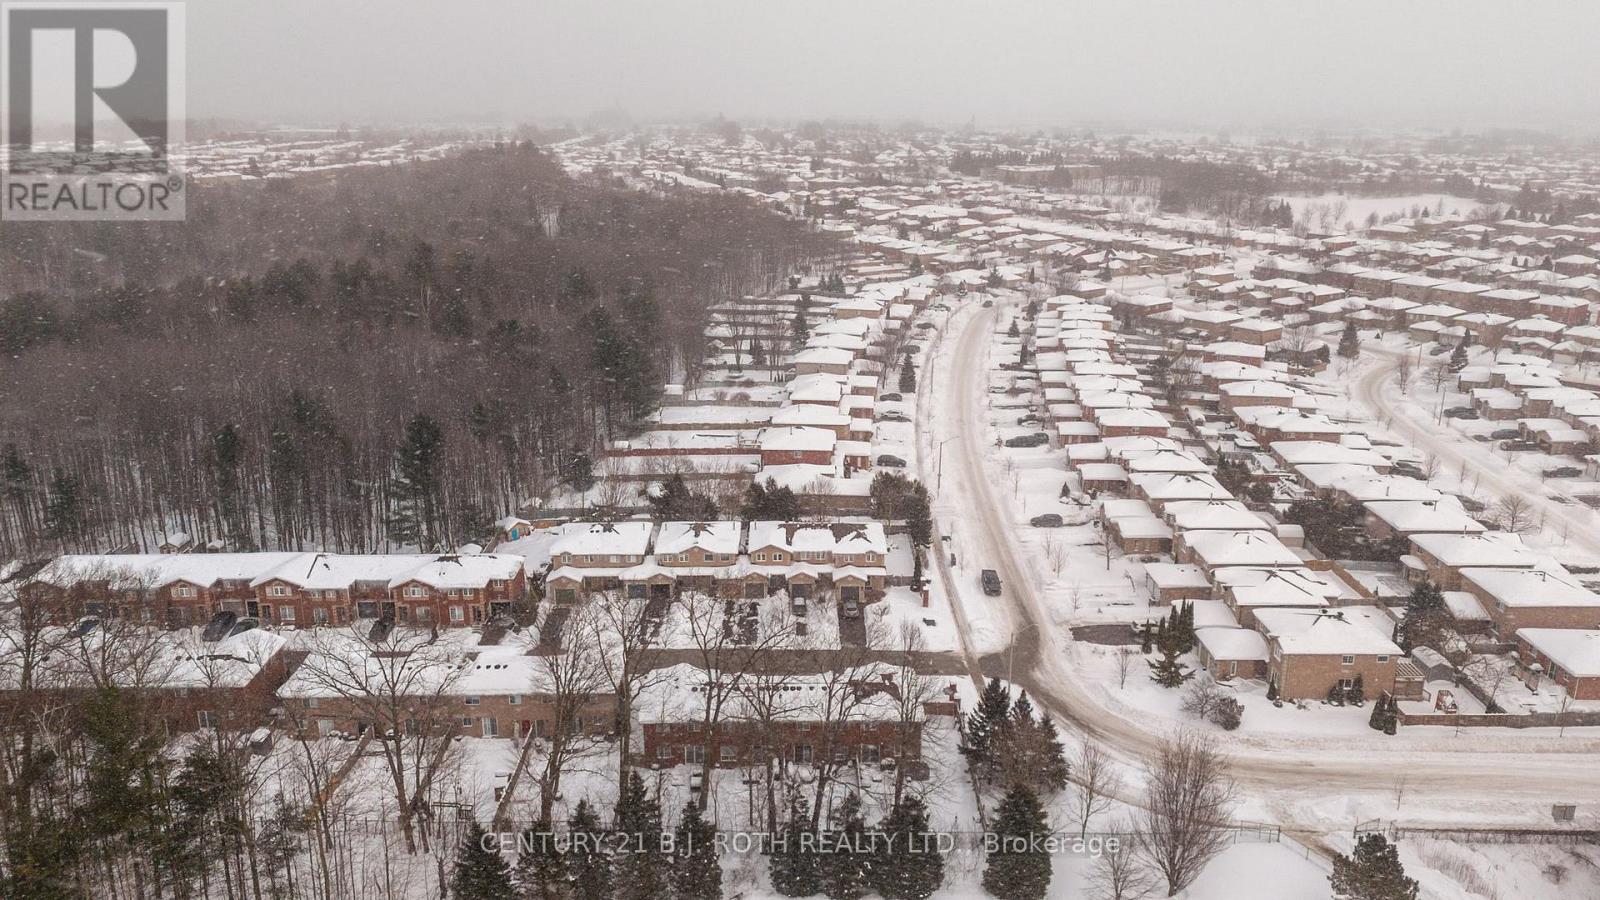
[1492,472]
[1304,782]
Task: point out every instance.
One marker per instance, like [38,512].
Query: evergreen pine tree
[480,873]
[64,508]
[908,376]
[844,877]
[795,867]
[696,871]
[910,866]
[993,708]
[1458,356]
[1372,872]
[415,492]
[1053,770]
[1168,671]
[799,329]
[541,870]
[1380,709]
[1426,615]
[642,872]
[1016,870]
[588,863]
[1357,694]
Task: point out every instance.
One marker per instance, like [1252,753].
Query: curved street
[1290,776]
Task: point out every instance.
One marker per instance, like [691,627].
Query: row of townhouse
[283,589]
[1271,605]
[726,558]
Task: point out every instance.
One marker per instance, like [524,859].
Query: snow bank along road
[1492,472]
[1306,782]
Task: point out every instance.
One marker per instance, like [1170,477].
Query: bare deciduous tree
[1184,821]
[1095,782]
[1122,875]
[1514,514]
[398,682]
[571,682]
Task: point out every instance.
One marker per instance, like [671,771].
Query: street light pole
[938,483]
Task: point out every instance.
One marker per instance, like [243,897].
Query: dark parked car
[1037,439]
[1519,445]
[891,462]
[1048,520]
[1504,434]
[889,397]
[1461,412]
[219,626]
[988,303]
[1563,472]
[991,582]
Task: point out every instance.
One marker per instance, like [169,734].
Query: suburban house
[1311,651]
[1568,656]
[285,589]
[801,718]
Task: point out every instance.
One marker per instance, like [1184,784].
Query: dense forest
[389,357]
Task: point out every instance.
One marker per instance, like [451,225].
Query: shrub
[1227,714]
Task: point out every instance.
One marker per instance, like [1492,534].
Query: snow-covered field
[1348,211]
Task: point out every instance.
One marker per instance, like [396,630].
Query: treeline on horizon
[392,357]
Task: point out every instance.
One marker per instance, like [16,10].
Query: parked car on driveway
[1048,520]
[1037,439]
[888,461]
[1461,412]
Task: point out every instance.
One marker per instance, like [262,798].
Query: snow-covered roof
[1346,631]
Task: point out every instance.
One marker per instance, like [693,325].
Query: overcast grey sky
[1217,64]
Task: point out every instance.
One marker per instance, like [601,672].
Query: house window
[663,752]
[424,614]
[1346,683]
[694,753]
[413,592]
[466,721]
[515,700]
[277,590]
[286,614]
[207,718]
[456,614]
[313,702]
[1383,659]
[185,592]
[802,753]
[869,753]
[319,616]
[761,557]
[474,701]
[728,754]
[1347,660]
[491,726]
